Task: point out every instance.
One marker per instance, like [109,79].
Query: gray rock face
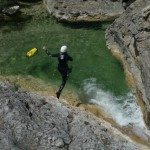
[29,121]
[130,35]
[84,10]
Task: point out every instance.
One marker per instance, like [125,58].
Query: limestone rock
[30,121]
[130,36]
[84,10]
[11,10]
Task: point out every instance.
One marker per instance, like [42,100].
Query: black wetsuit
[63,68]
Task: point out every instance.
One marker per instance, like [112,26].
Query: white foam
[124,109]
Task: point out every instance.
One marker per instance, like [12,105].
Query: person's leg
[64,79]
[64,76]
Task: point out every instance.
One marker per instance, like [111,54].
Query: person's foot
[58,94]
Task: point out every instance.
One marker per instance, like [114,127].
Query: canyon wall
[128,37]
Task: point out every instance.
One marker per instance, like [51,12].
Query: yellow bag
[31,52]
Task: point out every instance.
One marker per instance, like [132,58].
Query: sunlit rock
[84,10]
[11,10]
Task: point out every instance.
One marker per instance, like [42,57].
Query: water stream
[123,109]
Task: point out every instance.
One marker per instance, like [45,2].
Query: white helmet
[63,49]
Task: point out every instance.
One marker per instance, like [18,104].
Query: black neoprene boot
[58,94]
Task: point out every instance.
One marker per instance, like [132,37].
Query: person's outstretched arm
[48,53]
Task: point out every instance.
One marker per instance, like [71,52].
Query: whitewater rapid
[123,109]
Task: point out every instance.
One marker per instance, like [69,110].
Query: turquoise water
[86,44]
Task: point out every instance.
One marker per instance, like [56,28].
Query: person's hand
[44,48]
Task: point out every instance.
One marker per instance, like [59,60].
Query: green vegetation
[86,44]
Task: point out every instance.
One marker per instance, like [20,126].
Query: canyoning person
[63,68]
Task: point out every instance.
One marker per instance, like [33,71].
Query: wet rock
[129,35]
[84,10]
[53,125]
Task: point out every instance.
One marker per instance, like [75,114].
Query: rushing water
[123,109]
